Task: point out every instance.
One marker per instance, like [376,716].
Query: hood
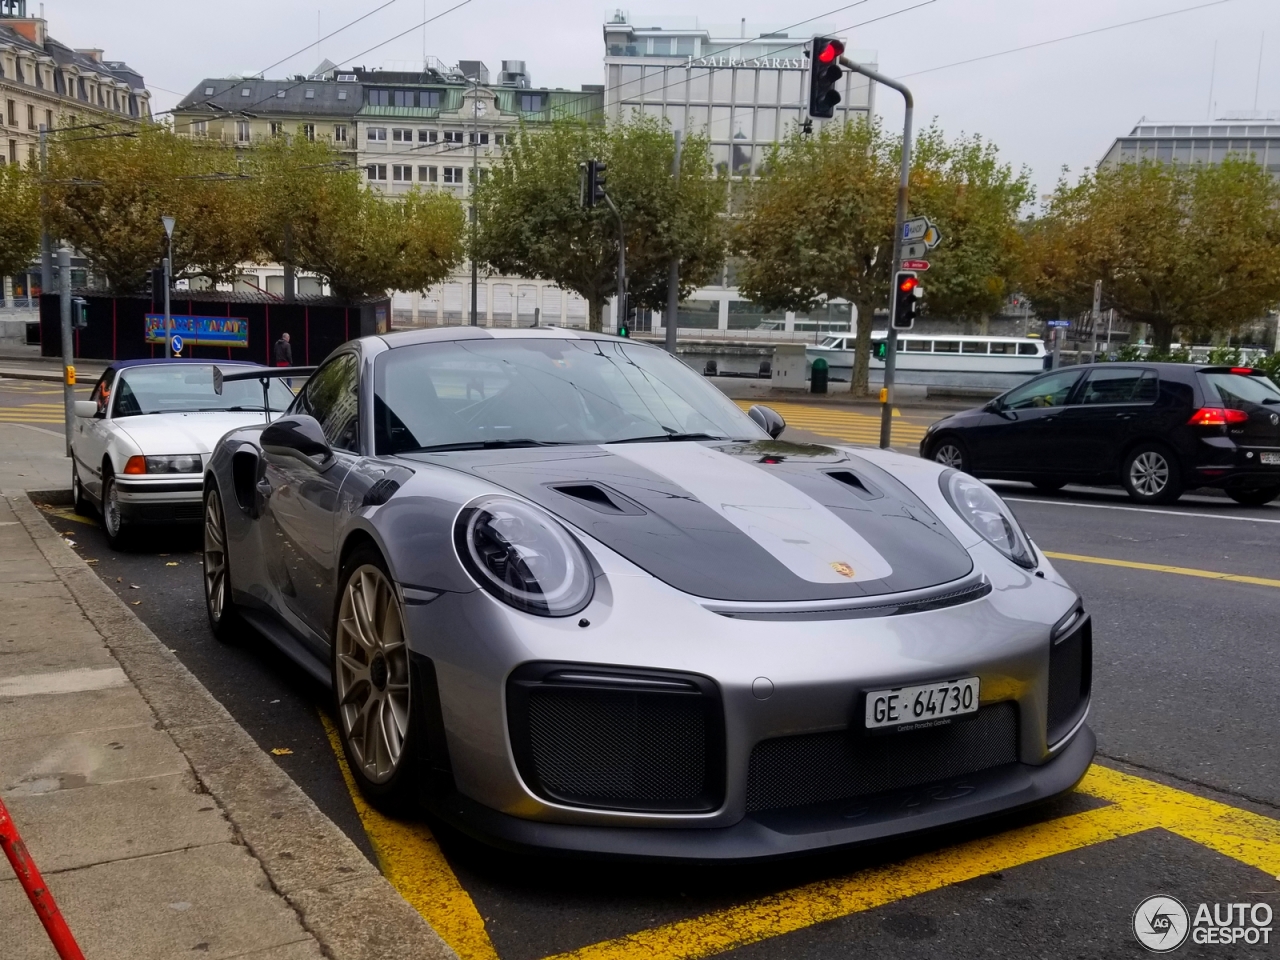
[744,521]
[163,433]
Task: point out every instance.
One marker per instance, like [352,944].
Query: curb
[340,898]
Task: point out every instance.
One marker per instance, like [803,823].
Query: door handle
[1124,416]
[263,487]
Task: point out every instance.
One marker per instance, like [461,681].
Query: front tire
[1255,496]
[79,499]
[950,452]
[372,697]
[224,617]
[113,523]
[1151,474]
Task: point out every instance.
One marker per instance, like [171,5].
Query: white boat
[939,352]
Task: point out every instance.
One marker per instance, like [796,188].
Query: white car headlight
[989,516]
[174,463]
[524,557]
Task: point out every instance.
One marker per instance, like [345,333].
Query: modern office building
[745,87]
[1201,141]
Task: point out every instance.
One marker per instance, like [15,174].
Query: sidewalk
[25,363]
[161,828]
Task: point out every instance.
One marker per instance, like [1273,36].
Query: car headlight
[174,463]
[990,516]
[522,556]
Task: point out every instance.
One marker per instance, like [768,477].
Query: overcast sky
[1054,105]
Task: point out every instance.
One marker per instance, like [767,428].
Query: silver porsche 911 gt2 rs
[569,596]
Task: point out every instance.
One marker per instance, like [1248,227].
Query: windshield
[478,392]
[188,388]
[1237,389]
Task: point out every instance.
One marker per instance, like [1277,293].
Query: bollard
[712,369]
[37,892]
[818,376]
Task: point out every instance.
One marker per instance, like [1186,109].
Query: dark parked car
[1154,428]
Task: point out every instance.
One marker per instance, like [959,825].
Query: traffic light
[907,294]
[824,74]
[79,313]
[624,315]
[881,347]
[591,183]
[157,282]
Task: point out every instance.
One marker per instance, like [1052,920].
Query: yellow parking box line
[826,900]
[1163,568]
[1239,834]
[410,858]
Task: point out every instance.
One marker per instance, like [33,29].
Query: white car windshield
[473,393]
[188,388]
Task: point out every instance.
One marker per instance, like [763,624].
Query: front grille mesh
[815,768]
[608,747]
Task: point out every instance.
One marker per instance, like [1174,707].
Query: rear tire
[1151,474]
[373,701]
[1048,484]
[224,616]
[950,452]
[1254,497]
[113,524]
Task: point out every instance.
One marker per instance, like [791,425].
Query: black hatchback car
[1154,428]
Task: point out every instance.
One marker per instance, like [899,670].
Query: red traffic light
[907,284]
[830,52]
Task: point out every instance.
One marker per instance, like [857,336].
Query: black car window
[1119,385]
[331,397]
[1048,391]
[1237,389]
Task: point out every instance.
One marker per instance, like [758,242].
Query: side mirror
[768,419]
[86,409]
[297,436]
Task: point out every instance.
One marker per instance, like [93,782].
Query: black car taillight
[1217,417]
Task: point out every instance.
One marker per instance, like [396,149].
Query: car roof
[406,338]
[157,361]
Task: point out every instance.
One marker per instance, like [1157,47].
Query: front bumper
[160,499]
[789,833]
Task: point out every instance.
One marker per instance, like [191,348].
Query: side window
[102,393]
[1119,385]
[331,396]
[1050,391]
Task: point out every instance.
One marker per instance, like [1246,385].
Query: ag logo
[842,568]
[1275,419]
[1161,924]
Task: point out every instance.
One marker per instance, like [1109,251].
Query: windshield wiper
[485,445]
[670,435]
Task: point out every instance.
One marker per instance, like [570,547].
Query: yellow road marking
[410,858]
[1163,568]
[1137,805]
[66,513]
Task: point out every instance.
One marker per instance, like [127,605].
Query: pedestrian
[283,353]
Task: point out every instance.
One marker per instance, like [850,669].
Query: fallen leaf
[135,602]
[172,563]
[162,554]
[69,543]
[134,586]
[91,561]
[281,751]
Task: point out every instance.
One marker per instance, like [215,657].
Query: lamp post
[168,268]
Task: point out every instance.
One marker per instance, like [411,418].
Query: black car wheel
[224,618]
[950,452]
[372,698]
[113,523]
[1048,484]
[79,499]
[1151,474]
[1254,496]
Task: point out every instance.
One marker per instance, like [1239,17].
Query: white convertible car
[141,442]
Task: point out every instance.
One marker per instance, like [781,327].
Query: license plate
[926,705]
[1271,459]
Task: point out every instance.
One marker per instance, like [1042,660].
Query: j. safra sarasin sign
[770,63]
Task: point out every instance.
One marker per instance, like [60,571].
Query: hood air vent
[600,499]
[859,486]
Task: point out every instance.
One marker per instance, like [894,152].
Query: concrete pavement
[161,828]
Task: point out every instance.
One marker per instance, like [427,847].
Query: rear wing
[263,375]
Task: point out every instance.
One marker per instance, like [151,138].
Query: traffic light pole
[891,336]
[622,262]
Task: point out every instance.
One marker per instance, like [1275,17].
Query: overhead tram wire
[1073,36]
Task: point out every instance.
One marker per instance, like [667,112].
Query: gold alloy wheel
[371,673]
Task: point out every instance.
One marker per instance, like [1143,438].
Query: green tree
[19,219]
[109,188]
[531,222]
[1192,246]
[819,225]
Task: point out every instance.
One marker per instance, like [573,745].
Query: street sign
[932,237]
[1057,323]
[176,343]
[915,229]
[916,249]
[915,264]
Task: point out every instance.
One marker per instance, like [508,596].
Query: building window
[377,171]
[484,138]
[242,131]
[400,135]
[503,139]
[277,128]
[429,99]
[427,136]
[31,117]
[340,130]
[342,94]
[208,91]
[310,93]
[308,130]
[530,102]
[13,113]
[402,98]
[13,151]
[453,136]
[484,174]
[376,134]
[402,172]
[48,119]
[280,94]
[379,98]
[200,128]
[427,174]
[453,175]
[244,91]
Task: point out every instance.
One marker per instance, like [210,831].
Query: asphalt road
[1186,680]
